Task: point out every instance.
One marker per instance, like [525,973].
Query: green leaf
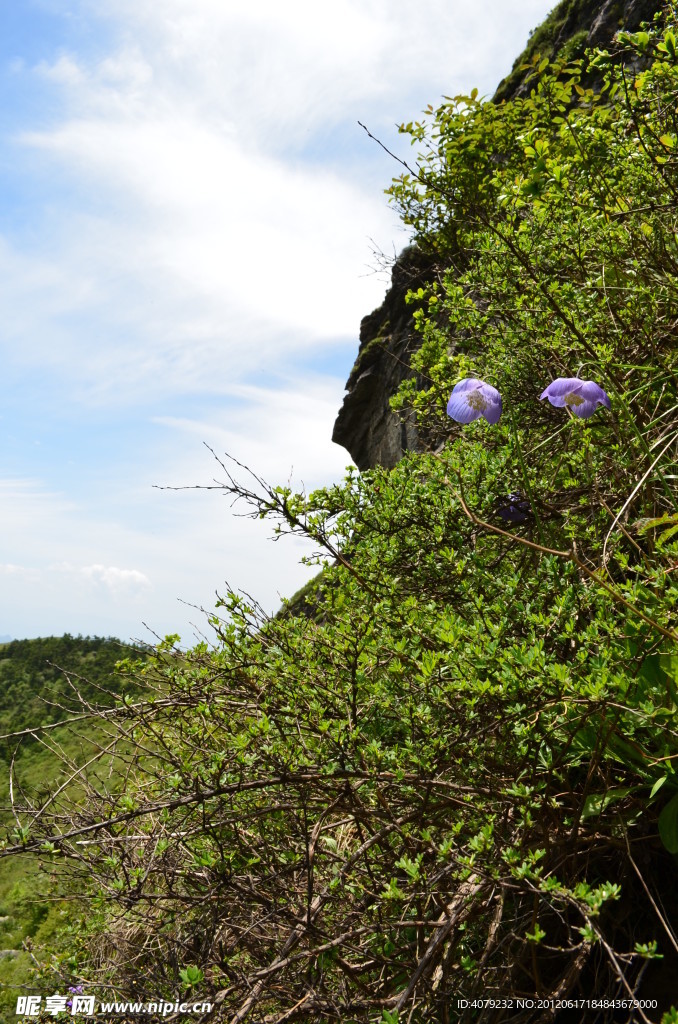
[537,935]
[668,825]
[596,803]
[669,663]
[658,785]
[644,525]
[588,933]
[191,976]
[648,950]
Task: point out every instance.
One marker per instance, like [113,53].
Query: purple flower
[581,397]
[472,398]
[76,990]
[514,509]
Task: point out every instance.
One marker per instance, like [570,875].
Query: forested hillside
[39,683]
[444,788]
[38,678]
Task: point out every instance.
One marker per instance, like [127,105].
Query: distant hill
[34,685]
[37,680]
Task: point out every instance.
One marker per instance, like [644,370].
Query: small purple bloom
[472,398]
[76,990]
[514,509]
[581,397]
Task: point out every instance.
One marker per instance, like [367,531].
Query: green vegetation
[43,682]
[40,679]
[457,779]
[574,48]
[569,20]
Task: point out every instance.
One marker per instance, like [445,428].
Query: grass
[32,688]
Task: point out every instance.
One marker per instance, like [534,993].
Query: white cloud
[208,245]
[223,262]
[119,581]
[281,71]
[277,432]
[20,572]
[64,71]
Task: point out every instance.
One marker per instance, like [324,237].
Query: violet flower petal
[514,508]
[513,513]
[581,397]
[467,384]
[583,409]
[558,390]
[472,398]
[592,392]
[494,406]
[463,411]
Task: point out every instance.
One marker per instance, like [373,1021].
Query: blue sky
[188,210]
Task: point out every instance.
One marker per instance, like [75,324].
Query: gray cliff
[366,425]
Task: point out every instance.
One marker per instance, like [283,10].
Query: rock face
[573,26]
[373,434]
[607,21]
[366,426]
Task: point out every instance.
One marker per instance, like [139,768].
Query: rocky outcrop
[366,426]
[572,27]
[609,19]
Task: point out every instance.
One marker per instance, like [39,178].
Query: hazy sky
[188,211]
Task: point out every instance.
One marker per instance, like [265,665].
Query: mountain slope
[372,433]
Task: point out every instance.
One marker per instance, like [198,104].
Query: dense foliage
[38,679]
[456,778]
